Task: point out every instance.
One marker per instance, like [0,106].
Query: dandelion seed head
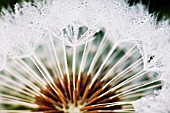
[82,55]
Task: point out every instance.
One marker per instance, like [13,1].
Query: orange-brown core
[54,102]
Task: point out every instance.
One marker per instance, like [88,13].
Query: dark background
[160,8]
[10,3]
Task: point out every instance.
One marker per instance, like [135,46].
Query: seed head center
[73,109]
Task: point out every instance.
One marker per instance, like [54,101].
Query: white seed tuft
[62,20]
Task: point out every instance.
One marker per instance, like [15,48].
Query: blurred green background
[161,8]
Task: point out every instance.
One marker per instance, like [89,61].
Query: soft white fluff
[20,31]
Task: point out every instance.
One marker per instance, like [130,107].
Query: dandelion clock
[83,56]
